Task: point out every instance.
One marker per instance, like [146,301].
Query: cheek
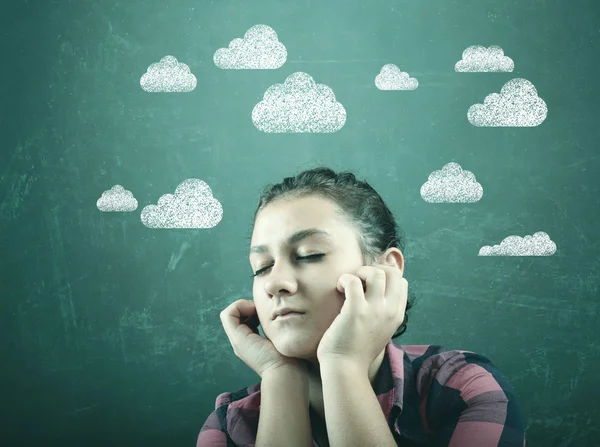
[332,308]
[339,301]
[264,315]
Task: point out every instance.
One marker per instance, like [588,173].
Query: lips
[285,311]
[287,314]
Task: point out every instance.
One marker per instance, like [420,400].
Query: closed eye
[261,271]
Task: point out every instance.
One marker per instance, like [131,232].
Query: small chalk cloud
[299,105]
[117,199]
[539,244]
[192,206]
[451,184]
[259,49]
[390,77]
[517,105]
[479,59]
[168,75]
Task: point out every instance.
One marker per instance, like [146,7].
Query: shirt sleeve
[471,404]
[212,435]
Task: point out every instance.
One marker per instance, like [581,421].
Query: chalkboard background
[110,330]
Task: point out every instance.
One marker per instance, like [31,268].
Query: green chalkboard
[109,311]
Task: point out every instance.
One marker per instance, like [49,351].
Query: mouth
[288,316]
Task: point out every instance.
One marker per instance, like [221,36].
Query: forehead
[295,237]
[304,210]
[307,217]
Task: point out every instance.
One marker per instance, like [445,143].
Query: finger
[375,279]
[231,319]
[395,282]
[403,297]
[352,288]
[252,322]
[396,292]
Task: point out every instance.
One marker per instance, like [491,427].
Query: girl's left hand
[367,319]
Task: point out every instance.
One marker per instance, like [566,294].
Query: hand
[240,322]
[367,319]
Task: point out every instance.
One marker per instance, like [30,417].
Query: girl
[330,295]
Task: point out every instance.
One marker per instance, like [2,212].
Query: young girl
[330,296]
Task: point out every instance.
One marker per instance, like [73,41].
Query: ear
[394,257]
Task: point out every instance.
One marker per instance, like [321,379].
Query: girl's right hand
[240,322]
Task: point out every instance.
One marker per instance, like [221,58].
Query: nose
[280,282]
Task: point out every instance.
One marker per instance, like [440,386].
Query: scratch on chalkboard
[124,228]
[89,407]
[17,193]
[567,424]
[465,292]
[130,321]
[571,221]
[21,151]
[121,42]
[67,307]
[21,182]
[176,257]
[205,358]
[138,320]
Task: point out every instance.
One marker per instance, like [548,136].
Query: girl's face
[300,272]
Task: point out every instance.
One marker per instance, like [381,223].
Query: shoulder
[441,367]
[234,421]
[459,385]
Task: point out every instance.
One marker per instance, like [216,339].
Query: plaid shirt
[430,395]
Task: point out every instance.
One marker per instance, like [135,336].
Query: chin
[296,346]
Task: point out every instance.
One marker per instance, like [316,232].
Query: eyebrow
[296,237]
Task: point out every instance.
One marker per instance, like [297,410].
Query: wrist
[287,372]
[291,383]
[342,366]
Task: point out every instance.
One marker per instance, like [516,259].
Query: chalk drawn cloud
[299,105]
[539,244]
[192,206]
[168,75]
[390,77]
[517,105]
[117,199]
[451,184]
[479,59]
[259,49]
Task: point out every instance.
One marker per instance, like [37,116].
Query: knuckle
[380,274]
[355,279]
